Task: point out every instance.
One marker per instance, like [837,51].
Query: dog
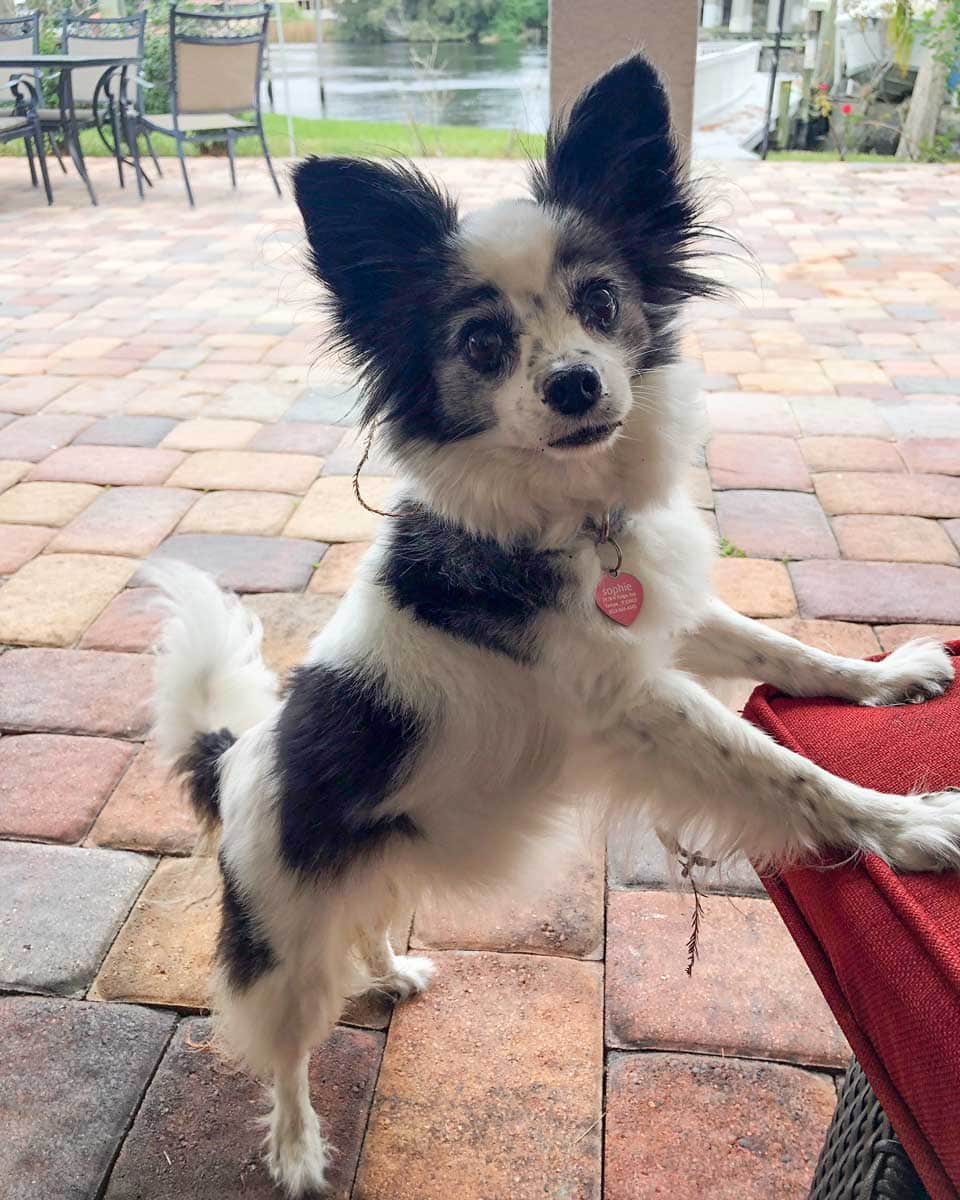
[525,637]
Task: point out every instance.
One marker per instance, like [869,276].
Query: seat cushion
[885,948]
[198,122]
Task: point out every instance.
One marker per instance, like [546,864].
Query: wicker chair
[862,1158]
[216,67]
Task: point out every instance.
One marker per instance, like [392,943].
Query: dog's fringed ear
[377,235]
[615,159]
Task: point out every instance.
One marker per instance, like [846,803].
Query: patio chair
[24,123]
[18,35]
[122,36]
[216,67]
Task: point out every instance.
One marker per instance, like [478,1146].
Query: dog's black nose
[573,390]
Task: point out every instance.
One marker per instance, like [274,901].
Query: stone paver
[755,587]
[52,787]
[290,623]
[125,520]
[563,918]
[937,456]
[66,1115]
[850,454]
[202,433]
[62,909]
[892,636]
[338,568]
[52,599]
[775,524]
[263,513]
[151,343]
[330,513]
[298,437]
[643,863]
[129,623]
[11,472]
[750,994]
[698,1128]
[196,1133]
[247,563]
[147,812]
[747,461]
[74,691]
[45,503]
[19,543]
[880,593]
[517,1111]
[114,465]
[246,470]
[125,431]
[164,952]
[875,492]
[894,539]
[32,438]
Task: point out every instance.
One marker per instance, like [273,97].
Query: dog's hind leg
[400,975]
[272,1026]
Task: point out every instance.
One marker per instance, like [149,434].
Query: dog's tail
[210,681]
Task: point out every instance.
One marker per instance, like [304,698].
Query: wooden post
[783,114]
[583,44]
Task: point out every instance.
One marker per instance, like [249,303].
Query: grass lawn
[368,138]
[826,156]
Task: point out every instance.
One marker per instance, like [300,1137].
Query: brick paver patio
[157,398]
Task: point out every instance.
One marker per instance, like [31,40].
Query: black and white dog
[491,670]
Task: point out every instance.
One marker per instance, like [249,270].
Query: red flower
[847,110]
[824,87]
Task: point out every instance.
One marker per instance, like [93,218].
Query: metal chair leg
[153,154]
[233,161]
[38,137]
[130,121]
[183,168]
[52,141]
[30,163]
[269,161]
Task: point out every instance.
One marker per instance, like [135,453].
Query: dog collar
[618,595]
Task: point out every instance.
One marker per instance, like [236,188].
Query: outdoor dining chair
[95,36]
[18,35]
[216,67]
[24,123]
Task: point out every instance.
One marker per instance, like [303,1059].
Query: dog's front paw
[917,671]
[927,837]
[410,975]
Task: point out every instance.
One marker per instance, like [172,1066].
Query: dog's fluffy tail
[210,681]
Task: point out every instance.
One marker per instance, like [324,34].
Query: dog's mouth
[589,435]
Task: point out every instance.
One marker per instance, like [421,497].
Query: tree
[940,46]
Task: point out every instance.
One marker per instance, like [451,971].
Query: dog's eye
[484,349]
[598,306]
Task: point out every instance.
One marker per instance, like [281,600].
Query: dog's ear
[615,160]
[377,236]
[616,151]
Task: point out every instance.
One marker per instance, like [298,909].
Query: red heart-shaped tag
[620,597]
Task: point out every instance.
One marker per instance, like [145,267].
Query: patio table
[66,64]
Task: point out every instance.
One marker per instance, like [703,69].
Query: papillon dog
[525,637]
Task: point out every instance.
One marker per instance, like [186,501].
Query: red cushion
[885,948]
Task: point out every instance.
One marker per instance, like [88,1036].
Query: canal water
[496,87]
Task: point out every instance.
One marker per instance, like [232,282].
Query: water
[495,87]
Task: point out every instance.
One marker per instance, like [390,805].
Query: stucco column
[741,16]
[712,14]
[773,15]
[587,37]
